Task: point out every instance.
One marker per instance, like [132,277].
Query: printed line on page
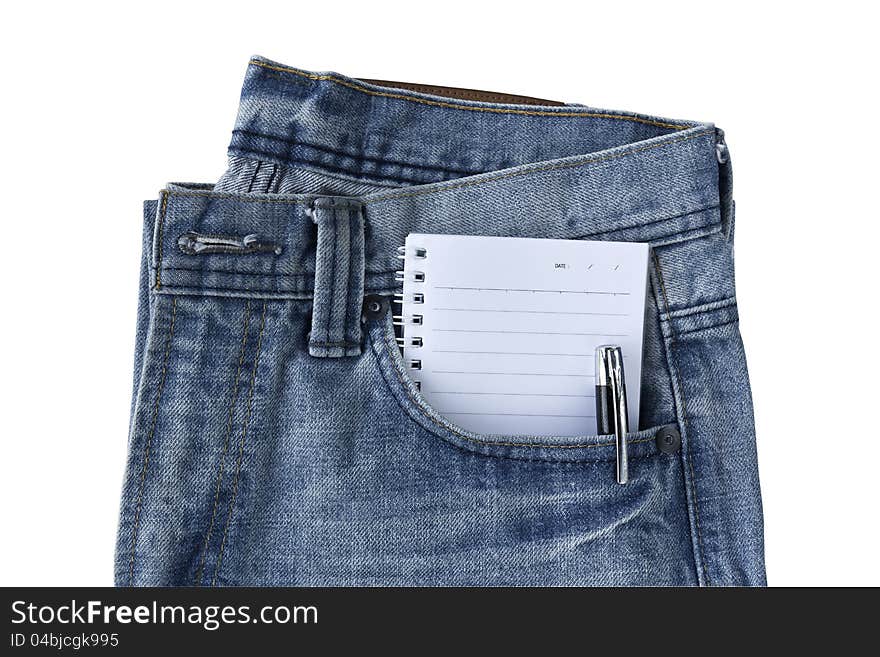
[507,394]
[525,289]
[603,335]
[514,414]
[530,312]
[589,376]
[510,353]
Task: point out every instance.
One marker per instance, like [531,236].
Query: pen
[611,410]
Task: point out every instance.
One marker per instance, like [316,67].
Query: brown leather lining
[464,94]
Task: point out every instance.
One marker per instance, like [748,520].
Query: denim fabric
[276,438]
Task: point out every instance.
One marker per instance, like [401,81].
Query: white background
[102,104]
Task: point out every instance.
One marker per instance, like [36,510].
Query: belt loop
[725,184]
[339,278]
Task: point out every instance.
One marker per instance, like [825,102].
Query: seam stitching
[357,273]
[335,343]
[437,103]
[149,443]
[241,443]
[290,160]
[345,254]
[333,258]
[300,295]
[355,283]
[490,179]
[240,198]
[706,328]
[350,279]
[164,207]
[360,158]
[652,222]
[707,307]
[537,169]
[197,580]
[464,94]
[690,461]
[281,293]
[279,274]
[510,174]
[689,235]
[333,202]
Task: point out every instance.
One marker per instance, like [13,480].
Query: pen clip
[612,412]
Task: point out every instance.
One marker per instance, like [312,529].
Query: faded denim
[276,438]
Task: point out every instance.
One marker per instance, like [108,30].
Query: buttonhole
[193,243]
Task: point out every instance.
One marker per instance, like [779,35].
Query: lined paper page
[510,326]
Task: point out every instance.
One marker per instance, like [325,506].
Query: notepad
[500,332]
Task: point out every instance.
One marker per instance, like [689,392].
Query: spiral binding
[413,319]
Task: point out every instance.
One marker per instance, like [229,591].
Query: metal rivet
[668,440]
[374,306]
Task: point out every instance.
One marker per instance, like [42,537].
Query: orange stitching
[247,417]
[143,477]
[438,103]
[684,422]
[197,580]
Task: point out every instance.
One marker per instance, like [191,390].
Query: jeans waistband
[430,164]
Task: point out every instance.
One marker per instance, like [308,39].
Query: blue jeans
[276,438]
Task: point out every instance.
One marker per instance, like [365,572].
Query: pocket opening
[584,448]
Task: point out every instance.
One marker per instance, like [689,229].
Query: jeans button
[668,440]
[374,307]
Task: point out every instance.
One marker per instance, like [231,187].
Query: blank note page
[509,327]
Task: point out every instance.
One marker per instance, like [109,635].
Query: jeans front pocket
[561,449]
[523,510]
